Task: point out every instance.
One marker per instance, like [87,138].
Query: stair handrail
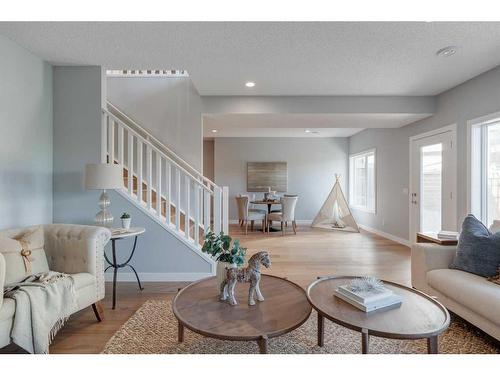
[148,136]
[161,152]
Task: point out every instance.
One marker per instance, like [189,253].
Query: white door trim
[448,128]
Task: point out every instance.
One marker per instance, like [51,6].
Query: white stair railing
[117,112]
[179,198]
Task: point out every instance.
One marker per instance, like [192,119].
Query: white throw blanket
[44,303]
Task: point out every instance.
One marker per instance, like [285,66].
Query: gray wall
[474,98]
[208,158]
[422,105]
[312,164]
[77,106]
[26,137]
[169,108]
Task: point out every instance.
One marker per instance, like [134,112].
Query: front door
[433,184]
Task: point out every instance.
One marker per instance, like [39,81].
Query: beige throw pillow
[24,255]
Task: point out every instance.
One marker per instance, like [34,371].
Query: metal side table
[116,236]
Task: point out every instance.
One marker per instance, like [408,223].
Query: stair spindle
[178,199]
[139,170]
[168,185]
[206,210]
[120,144]
[149,175]
[111,142]
[130,162]
[158,185]
[196,228]
[187,189]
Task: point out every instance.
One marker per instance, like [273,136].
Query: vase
[126,223]
[221,272]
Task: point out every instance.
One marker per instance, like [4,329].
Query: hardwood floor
[300,257]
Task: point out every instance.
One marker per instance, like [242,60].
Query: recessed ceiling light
[447,51]
[214,130]
[250,84]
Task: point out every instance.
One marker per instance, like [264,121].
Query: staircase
[162,184]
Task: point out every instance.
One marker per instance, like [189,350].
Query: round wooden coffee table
[418,317]
[285,308]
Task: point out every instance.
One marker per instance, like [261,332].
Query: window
[485,170]
[431,181]
[362,181]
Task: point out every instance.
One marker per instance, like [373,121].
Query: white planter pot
[221,272]
[126,223]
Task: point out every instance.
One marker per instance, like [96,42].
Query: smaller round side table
[132,232]
[419,316]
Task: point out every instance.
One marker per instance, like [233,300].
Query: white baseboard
[389,236]
[303,222]
[152,277]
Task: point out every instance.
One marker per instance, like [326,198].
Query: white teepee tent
[335,212]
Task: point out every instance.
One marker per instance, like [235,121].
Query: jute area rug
[153,330]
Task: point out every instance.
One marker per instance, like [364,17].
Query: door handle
[414,198]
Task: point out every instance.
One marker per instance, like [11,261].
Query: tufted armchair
[73,249]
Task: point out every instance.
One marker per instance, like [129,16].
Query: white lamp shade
[103,176]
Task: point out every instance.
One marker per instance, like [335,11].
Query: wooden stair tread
[163,205]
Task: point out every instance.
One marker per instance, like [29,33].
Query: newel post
[225,209]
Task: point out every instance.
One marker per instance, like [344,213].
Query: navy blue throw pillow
[478,250]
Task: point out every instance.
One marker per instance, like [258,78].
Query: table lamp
[103,177]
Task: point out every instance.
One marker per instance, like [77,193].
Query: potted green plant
[125,220]
[226,252]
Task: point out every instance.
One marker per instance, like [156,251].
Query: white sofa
[471,297]
[74,249]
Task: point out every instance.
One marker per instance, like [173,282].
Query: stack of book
[447,235]
[118,231]
[367,301]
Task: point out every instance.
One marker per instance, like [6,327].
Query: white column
[225,209]
[217,210]
[104,137]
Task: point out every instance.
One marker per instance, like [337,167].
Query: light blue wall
[77,119]
[77,107]
[168,108]
[26,137]
[474,98]
[312,165]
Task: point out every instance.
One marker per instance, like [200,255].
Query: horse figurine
[251,275]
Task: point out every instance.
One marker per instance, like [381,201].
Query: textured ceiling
[294,125]
[338,58]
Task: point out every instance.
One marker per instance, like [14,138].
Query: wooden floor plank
[300,257]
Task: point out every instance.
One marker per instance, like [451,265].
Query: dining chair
[246,214]
[279,209]
[287,213]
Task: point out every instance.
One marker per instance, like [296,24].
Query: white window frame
[372,210]
[476,164]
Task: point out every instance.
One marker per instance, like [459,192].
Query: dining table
[269,204]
